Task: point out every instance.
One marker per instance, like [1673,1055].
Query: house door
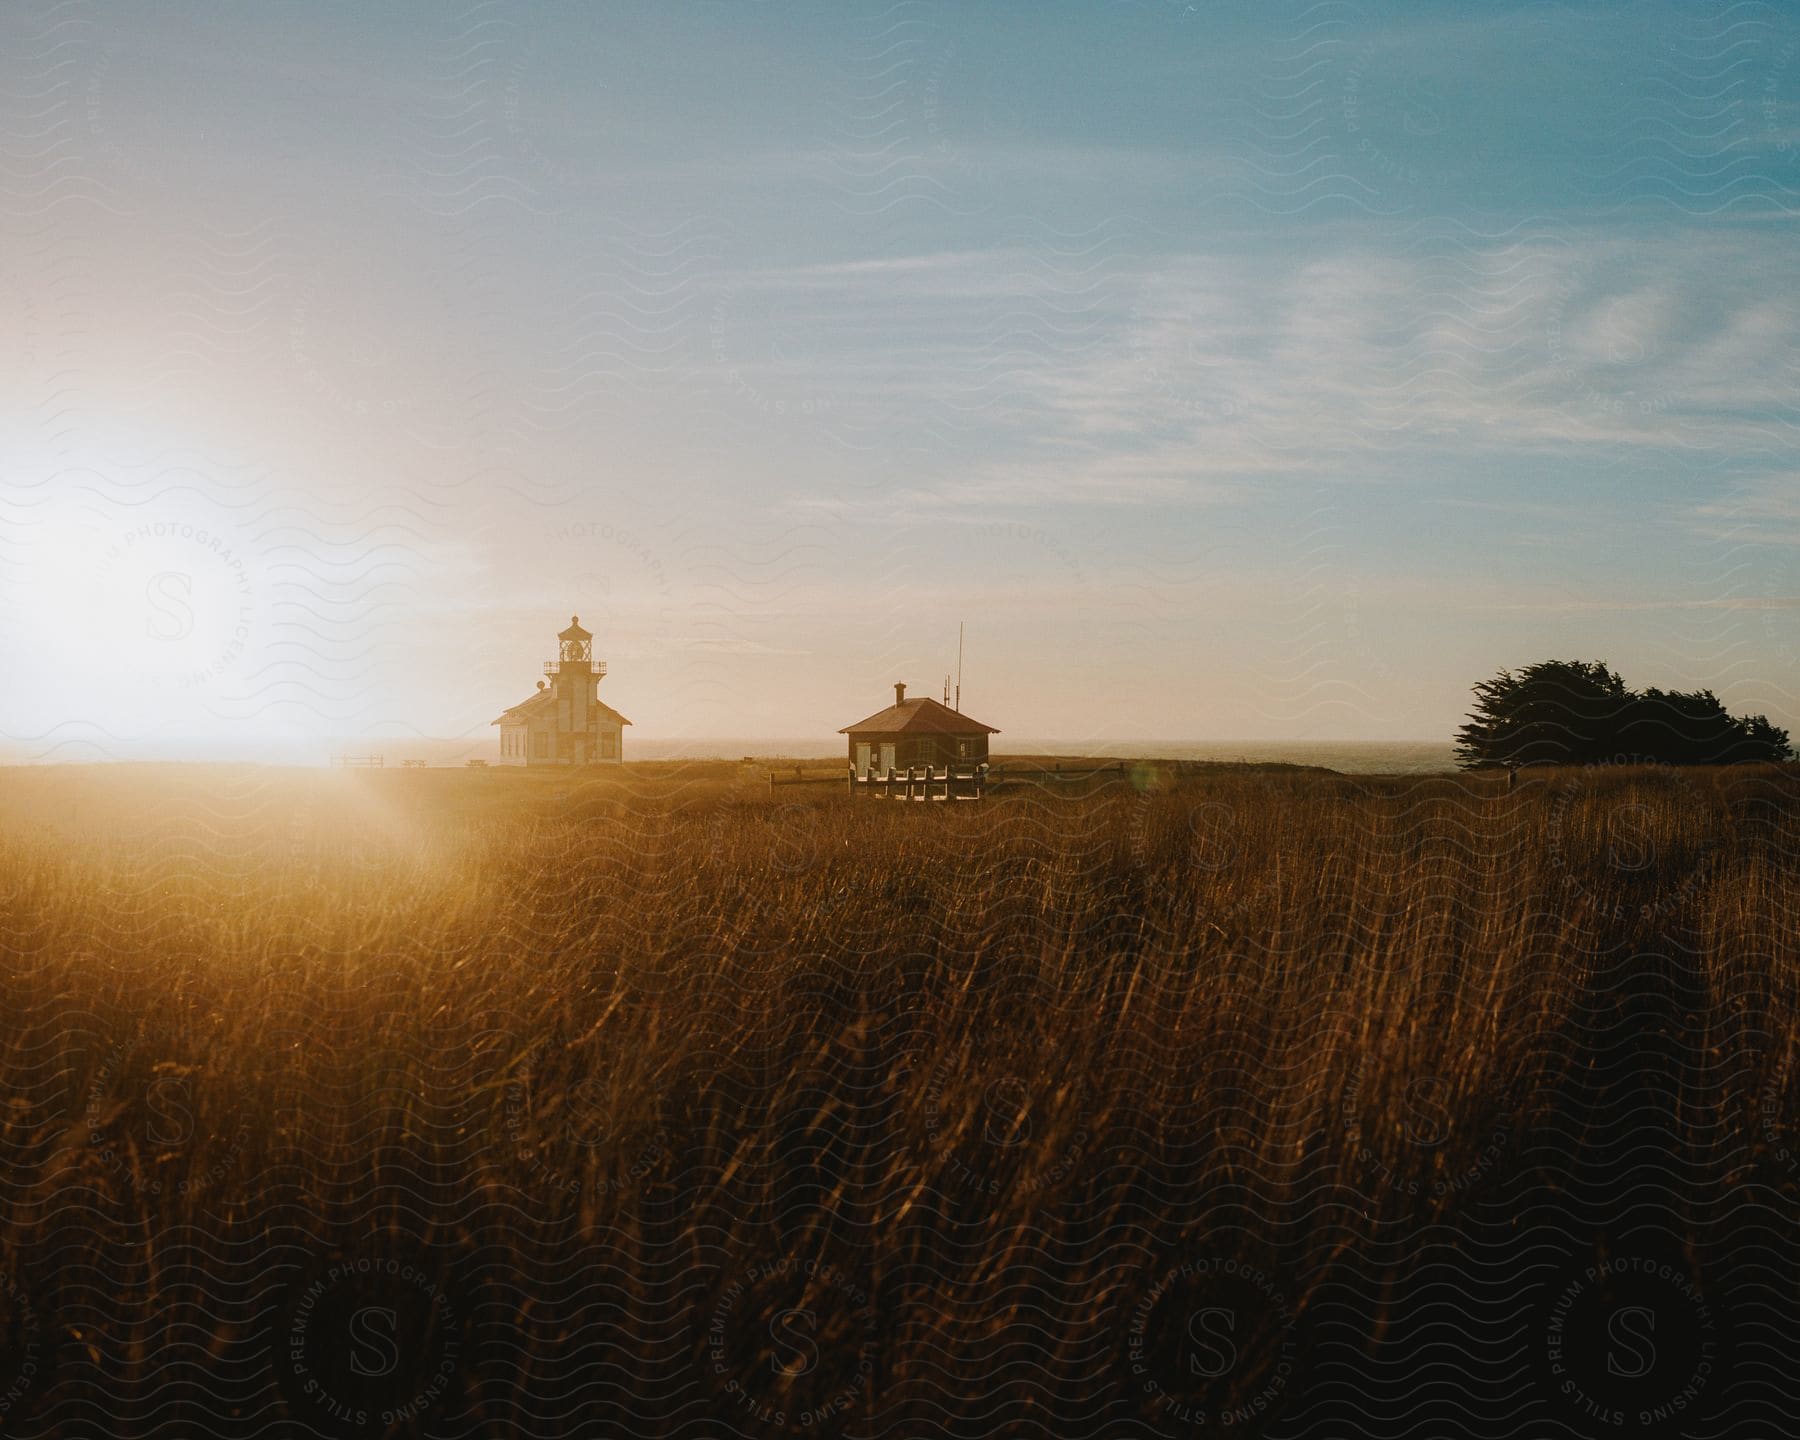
[887,758]
[862,759]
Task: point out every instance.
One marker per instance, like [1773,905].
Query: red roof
[544,700]
[922,716]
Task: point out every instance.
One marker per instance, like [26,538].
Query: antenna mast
[959,638]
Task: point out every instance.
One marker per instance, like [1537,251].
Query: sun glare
[138,622]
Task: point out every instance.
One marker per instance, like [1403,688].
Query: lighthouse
[575,690]
[566,722]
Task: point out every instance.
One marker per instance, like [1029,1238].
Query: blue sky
[1234,371]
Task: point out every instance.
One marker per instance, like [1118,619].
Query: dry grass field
[659,1102]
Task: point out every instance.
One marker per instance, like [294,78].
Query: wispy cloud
[1552,341]
[1114,378]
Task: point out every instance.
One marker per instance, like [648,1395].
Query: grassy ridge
[653,1097]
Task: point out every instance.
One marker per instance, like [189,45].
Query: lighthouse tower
[575,688]
[565,723]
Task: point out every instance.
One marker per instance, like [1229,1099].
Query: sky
[1231,371]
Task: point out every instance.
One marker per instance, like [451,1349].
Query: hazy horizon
[1352,756]
[1274,372]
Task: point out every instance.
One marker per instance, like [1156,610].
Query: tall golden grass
[657,1099]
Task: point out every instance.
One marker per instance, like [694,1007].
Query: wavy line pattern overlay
[1183,1099]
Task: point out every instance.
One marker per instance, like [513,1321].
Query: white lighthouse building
[565,723]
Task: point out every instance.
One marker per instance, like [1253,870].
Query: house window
[540,745]
[609,745]
[962,749]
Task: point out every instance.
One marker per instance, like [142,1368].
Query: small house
[565,722]
[916,732]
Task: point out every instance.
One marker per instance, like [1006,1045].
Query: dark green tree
[1760,739]
[1579,712]
[1555,712]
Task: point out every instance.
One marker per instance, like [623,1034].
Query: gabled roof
[920,716]
[525,709]
[535,705]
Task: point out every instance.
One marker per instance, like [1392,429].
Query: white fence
[922,782]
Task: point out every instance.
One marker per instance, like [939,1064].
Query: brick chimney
[899,692]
